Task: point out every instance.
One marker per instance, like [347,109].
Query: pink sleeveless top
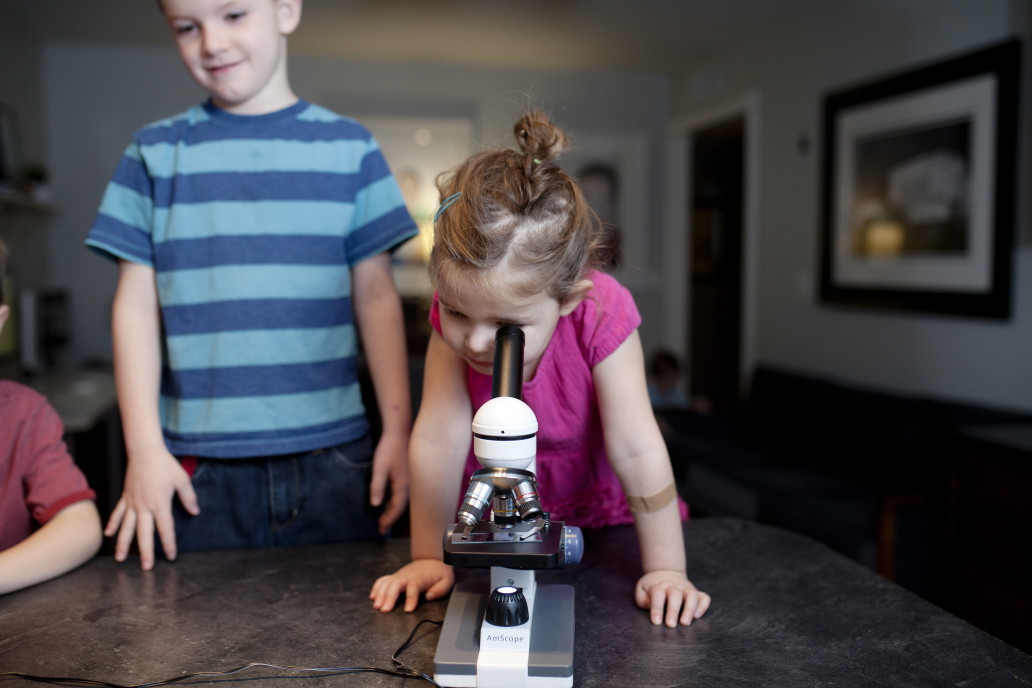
[576,483]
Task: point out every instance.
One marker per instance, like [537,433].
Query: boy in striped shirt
[253,236]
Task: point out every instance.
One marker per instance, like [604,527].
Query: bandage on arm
[652,503]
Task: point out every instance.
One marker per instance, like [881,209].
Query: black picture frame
[919,187]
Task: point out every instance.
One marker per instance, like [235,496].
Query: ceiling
[654,35]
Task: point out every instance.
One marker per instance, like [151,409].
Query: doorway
[717,194]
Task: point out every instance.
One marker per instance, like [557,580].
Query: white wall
[791,66]
[96,96]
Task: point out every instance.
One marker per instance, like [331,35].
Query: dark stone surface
[786,611]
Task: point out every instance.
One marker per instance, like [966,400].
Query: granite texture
[786,611]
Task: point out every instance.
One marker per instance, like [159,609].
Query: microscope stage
[524,547]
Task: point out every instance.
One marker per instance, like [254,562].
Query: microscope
[517,633]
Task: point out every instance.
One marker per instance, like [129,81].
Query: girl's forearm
[441,438]
[436,457]
[430,513]
[661,538]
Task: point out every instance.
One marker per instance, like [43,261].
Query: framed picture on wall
[919,180]
[612,169]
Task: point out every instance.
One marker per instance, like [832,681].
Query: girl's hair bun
[538,137]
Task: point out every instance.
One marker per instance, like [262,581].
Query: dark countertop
[786,611]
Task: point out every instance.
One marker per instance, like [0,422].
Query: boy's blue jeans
[295,499]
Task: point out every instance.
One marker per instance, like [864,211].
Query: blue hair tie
[445,203]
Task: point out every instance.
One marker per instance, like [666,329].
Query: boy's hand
[430,575]
[673,591]
[151,479]
[390,464]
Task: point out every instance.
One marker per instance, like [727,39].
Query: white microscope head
[505,434]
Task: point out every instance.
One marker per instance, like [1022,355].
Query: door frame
[675,242]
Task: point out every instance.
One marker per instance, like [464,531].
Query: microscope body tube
[507,375]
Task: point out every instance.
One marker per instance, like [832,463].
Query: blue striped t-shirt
[252,225]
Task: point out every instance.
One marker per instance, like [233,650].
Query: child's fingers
[641,596]
[116,518]
[439,589]
[411,596]
[695,605]
[126,533]
[395,508]
[378,480]
[704,604]
[387,589]
[166,528]
[145,540]
[377,486]
[670,604]
[188,497]
[657,602]
[674,601]
[374,592]
[689,611]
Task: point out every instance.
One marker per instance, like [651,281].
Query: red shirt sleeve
[38,473]
[53,481]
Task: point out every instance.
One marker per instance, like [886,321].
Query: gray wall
[789,67]
[95,97]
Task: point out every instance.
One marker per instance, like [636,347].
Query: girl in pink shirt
[515,243]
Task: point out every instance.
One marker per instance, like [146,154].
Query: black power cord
[399,670]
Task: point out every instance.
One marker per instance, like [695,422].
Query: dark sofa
[862,470]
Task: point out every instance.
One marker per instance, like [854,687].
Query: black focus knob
[507,607]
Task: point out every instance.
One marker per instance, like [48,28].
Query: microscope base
[551,639]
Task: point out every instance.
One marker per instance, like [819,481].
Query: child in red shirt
[48,519]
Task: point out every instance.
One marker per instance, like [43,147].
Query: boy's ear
[577,294]
[289,14]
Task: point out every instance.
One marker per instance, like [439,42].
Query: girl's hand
[673,591]
[430,575]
